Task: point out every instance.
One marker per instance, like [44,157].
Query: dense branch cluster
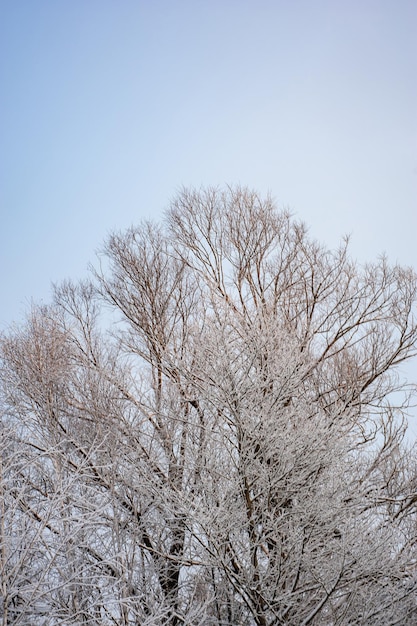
[211,432]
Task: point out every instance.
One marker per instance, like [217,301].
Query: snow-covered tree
[229,449]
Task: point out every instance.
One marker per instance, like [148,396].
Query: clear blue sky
[107,107]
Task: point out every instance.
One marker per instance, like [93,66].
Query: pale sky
[107,108]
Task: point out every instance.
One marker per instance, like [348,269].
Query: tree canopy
[212,431]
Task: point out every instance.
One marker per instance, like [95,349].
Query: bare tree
[230,450]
